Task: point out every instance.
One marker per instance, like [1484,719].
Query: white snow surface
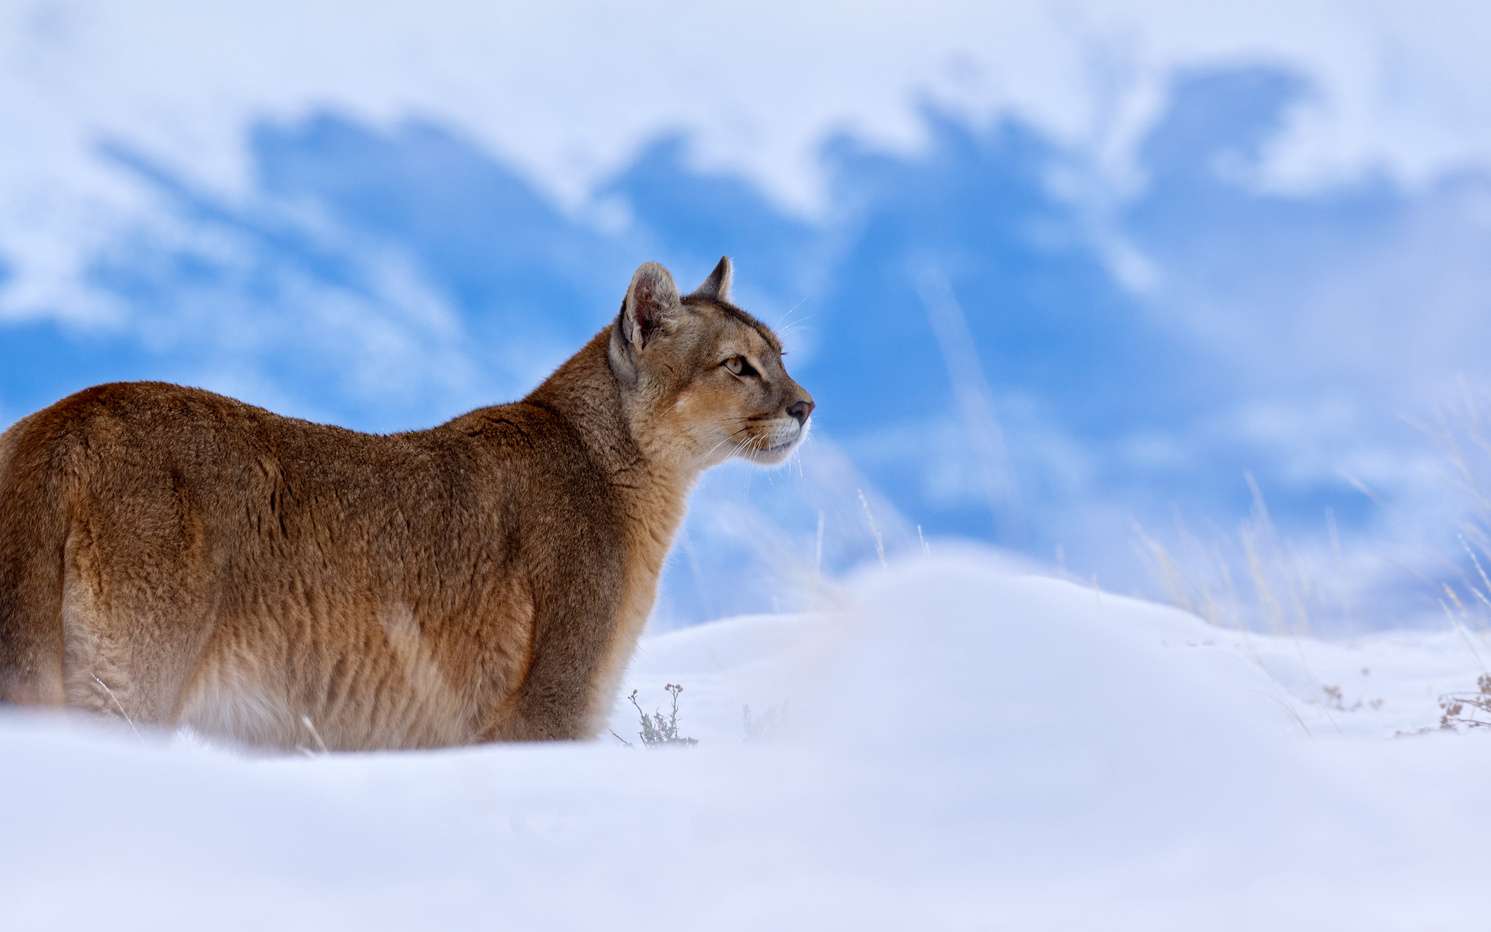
[944,746]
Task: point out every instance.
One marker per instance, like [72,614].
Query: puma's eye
[738,366]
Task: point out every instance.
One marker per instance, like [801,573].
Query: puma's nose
[801,409]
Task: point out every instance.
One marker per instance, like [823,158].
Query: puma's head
[701,379]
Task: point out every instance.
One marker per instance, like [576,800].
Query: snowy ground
[947,747]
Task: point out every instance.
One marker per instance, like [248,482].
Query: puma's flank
[182,558]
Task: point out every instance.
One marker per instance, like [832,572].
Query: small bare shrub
[1467,710]
[659,730]
[1335,700]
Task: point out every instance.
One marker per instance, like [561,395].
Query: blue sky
[1017,334]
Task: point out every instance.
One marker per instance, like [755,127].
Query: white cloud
[567,91]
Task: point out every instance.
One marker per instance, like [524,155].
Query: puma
[183,559]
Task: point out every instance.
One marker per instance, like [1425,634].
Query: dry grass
[1462,431]
[874,527]
[765,725]
[1255,579]
[1254,574]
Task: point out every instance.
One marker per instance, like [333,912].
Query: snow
[947,746]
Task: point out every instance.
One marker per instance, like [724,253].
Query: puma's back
[272,569]
[181,558]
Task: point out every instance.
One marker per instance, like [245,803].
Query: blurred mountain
[1001,347]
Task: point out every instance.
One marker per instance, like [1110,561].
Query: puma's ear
[717,285]
[650,299]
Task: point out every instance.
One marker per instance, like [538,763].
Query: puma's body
[181,558]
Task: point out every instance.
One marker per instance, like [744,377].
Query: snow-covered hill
[944,746]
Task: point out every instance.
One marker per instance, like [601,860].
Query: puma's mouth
[778,452]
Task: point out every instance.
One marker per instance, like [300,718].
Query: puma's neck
[585,392]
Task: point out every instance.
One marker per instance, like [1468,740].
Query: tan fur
[181,558]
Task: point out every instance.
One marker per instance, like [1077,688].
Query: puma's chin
[775,448]
[773,456]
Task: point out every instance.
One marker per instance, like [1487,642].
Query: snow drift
[947,746]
